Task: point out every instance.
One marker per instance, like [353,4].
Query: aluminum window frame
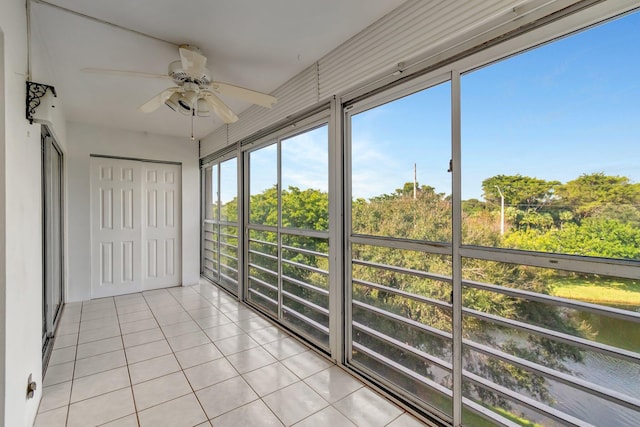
[352,109]
[549,33]
[217,161]
[408,79]
[51,319]
[306,124]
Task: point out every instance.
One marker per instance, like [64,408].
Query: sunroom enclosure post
[336,232]
[456,242]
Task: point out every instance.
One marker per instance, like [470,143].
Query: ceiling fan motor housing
[195,92]
[180,77]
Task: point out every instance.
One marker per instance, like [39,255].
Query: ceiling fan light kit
[202,108]
[176,103]
[195,93]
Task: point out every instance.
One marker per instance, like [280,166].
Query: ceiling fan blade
[193,62]
[220,108]
[125,73]
[157,101]
[245,94]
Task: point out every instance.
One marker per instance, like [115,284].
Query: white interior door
[116,231]
[160,225]
[135,226]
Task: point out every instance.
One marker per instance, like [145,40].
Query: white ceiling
[258,44]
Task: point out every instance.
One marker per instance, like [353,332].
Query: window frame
[217,222]
[386,89]
[304,125]
[621,268]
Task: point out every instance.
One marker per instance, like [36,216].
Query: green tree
[306,209]
[625,214]
[263,207]
[428,217]
[407,189]
[588,193]
[534,219]
[229,211]
[542,217]
[473,206]
[601,237]
[300,209]
[521,191]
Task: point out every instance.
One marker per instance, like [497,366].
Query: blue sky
[389,139]
[228,180]
[304,162]
[555,112]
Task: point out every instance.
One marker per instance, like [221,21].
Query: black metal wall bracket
[35,91]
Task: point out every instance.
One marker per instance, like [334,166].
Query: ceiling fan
[195,93]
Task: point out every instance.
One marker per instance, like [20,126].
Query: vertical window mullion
[246,195]
[240,231]
[456,243]
[347,200]
[279,227]
[336,234]
[399,243]
[219,209]
[203,204]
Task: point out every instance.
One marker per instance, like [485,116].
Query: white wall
[21,205]
[21,210]
[3,270]
[23,240]
[86,139]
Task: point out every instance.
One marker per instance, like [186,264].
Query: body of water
[605,371]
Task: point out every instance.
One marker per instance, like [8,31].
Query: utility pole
[501,211]
[415,182]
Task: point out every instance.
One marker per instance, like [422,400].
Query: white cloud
[305,160]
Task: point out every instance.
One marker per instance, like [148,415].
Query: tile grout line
[394,419]
[179,364]
[126,364]
[95,373]
[239,374]
[304,382]
[128,373]
[73,371]
[133,397]
[226,358]
[178,297]
[174,355]
[277,360]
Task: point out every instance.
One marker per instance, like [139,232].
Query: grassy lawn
[598,290]
[472,419]
[515,419]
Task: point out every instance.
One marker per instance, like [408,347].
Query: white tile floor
[193,356]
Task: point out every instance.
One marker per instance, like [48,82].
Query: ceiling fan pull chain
[193,113]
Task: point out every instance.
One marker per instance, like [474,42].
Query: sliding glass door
[399,245]
[493,235]
[220,223]
[482,260]
[288,231]
[52,194]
